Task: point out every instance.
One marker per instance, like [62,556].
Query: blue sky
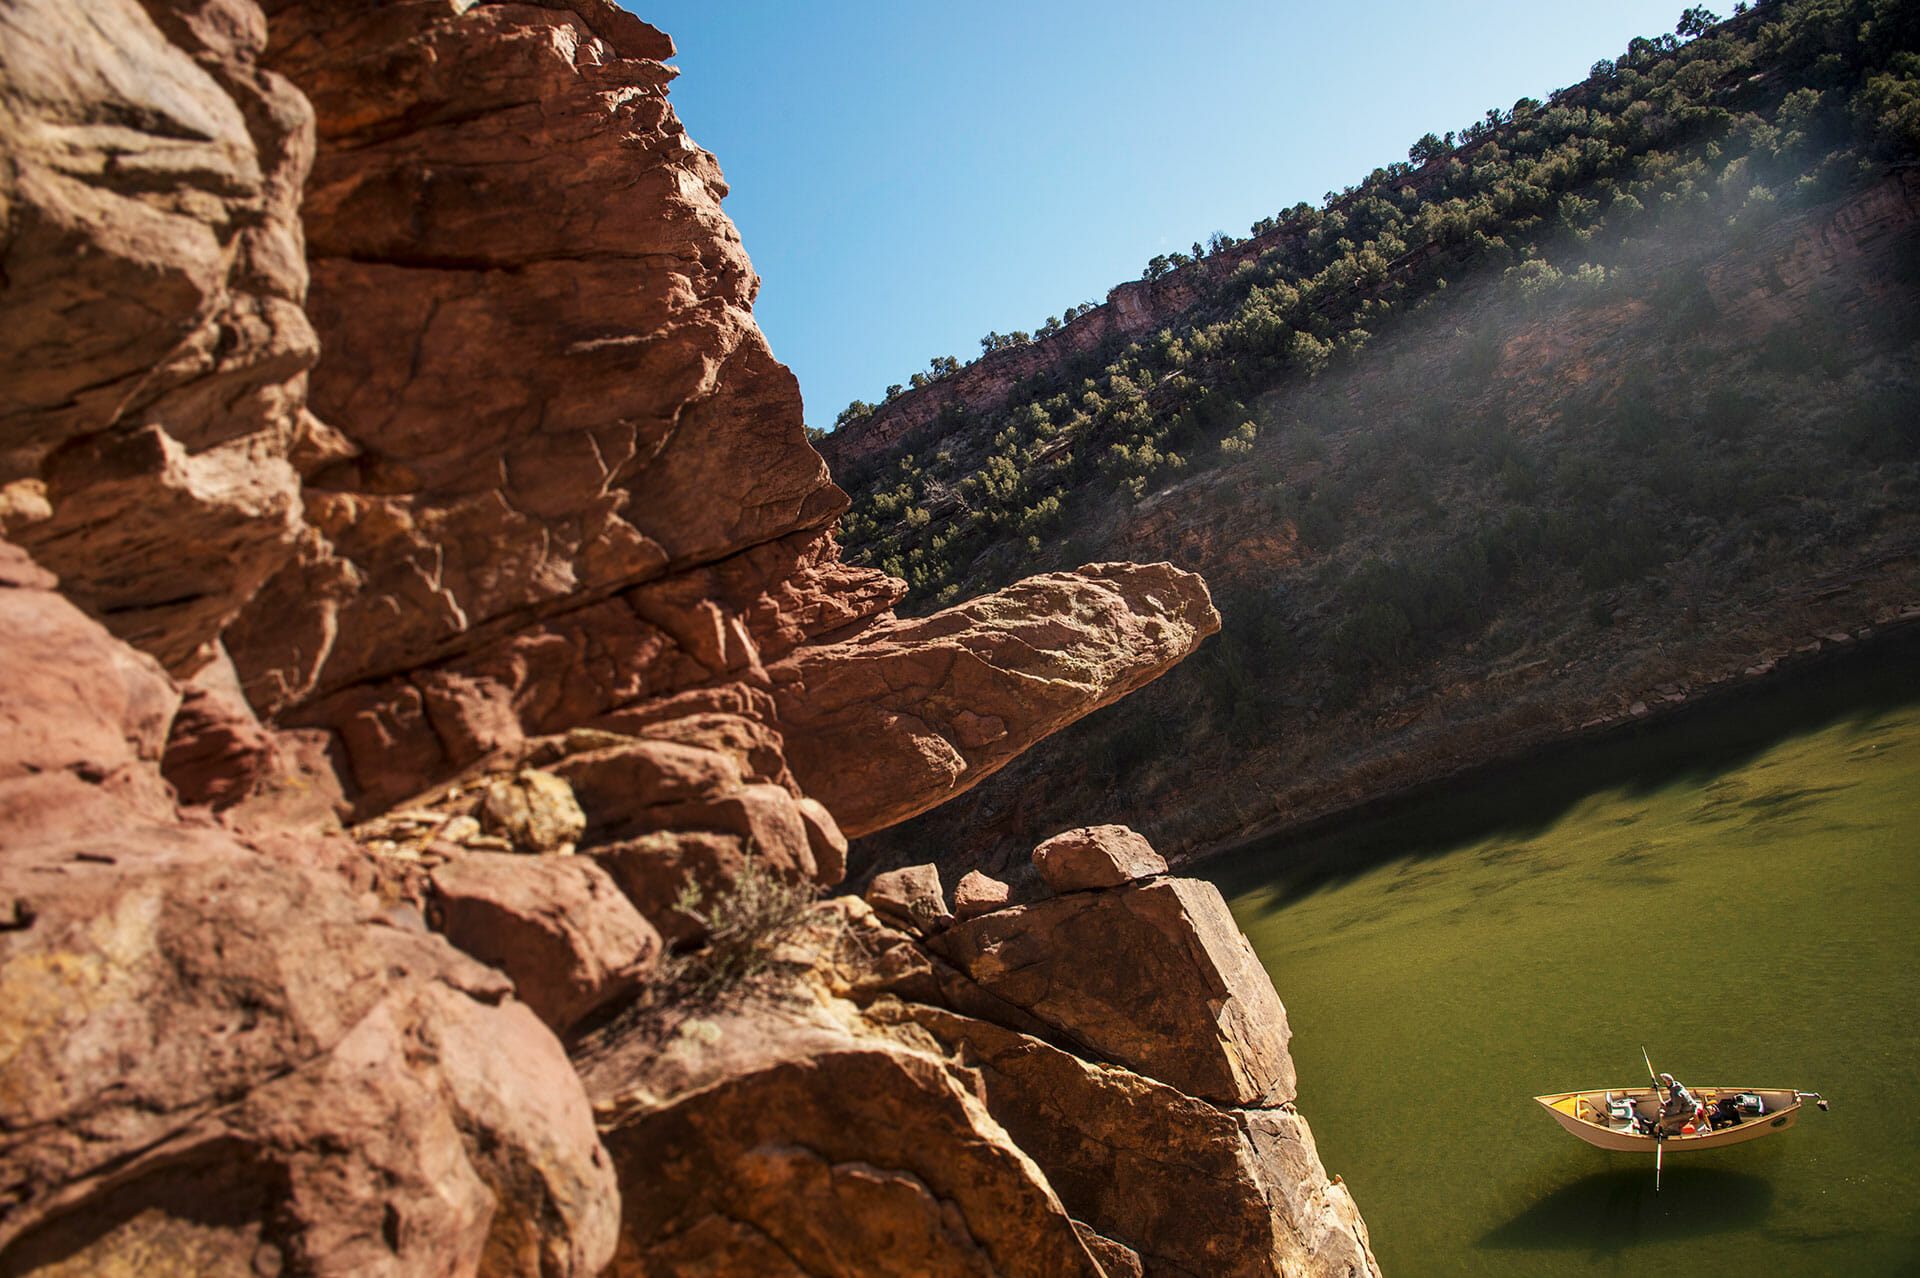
[908,176]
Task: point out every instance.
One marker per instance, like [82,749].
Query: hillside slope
[1608,403]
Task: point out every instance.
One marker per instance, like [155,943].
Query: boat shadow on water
[1613,1210]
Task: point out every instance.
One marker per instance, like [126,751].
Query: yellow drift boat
[1627,1118]
[1622,1118]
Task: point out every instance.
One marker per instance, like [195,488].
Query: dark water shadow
[1518,799]
[1611,1211]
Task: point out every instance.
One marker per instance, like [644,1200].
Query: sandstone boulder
[265,1069]
[1096,856]
[911,897]
[824,840]
[892,721]
[618,782]
[217,1057]
[630,785]
[1189,1187]
[770,1140]
[1153,976]
[559,927]
[977,894]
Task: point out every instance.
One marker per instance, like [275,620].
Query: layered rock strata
[382,391]
[866,1099]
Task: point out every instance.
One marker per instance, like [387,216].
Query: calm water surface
[1740,893]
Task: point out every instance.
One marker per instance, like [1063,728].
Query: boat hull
[1583,1114]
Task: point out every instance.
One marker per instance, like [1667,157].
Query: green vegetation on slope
[1784,107]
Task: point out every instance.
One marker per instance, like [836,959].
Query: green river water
[1739,891]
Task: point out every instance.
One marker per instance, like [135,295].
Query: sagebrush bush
[744,927]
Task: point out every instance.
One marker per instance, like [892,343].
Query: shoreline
[1798,672]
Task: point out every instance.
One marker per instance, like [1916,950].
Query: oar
[1659,1136]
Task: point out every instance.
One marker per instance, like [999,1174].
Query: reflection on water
[1740,892]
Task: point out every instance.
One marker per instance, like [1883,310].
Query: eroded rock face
[841,1102]
[1189,1187]
[79,711]
[218,752]
[909,713]
[1153,976]
[776,1130]
[834,1153]
[219,1057]
[548,556]
[552,392]
[153,348]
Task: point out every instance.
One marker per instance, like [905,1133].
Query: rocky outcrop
[548,471]
[1154,976]
[1096,856]
[153,348]
[218,1054]
[1822,262]
[911,898]
[910,713]
[532,577]
[1190,1188]
[548,392]
[850,1080]
[771,1142]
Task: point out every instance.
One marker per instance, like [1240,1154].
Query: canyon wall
[434,700]
[1132,310]
[1834,566]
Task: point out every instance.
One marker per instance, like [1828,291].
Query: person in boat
[1678,1109]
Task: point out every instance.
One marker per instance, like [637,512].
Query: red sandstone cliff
[383,419]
